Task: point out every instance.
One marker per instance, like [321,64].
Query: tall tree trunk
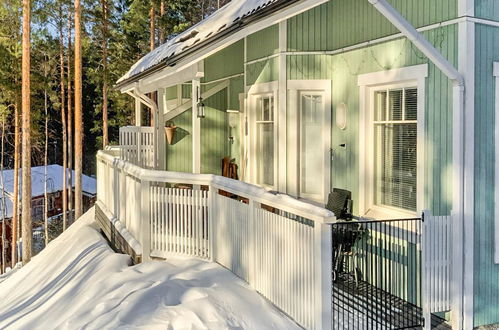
[45,192]
[64,129]
[78,114]
[105,138]
[152,26]
[162,34]
[70,125]
[26,121]
[15,211]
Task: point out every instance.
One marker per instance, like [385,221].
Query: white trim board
[496,186]
[405,77]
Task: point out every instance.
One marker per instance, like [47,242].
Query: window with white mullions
[395,148]
[265,140]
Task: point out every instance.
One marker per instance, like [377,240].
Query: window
[265,140]
[391,152]
[37,208]
[395,148]
[262,116]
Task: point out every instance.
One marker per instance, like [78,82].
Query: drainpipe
[457,284]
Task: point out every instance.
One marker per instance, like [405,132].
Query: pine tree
[78,113]
[26,137]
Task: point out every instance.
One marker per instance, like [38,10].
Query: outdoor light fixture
[201,107]
[341,116]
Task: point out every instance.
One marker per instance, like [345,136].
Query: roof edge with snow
[234,16]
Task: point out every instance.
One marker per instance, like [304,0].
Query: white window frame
[413,76]
[496,168]
[256,92]
[296,88]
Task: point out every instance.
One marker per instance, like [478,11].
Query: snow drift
[79,282]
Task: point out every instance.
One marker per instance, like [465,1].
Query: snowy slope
[79,282]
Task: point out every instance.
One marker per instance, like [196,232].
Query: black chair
[340,203]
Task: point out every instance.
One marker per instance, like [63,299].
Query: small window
[265,141]
[395,148]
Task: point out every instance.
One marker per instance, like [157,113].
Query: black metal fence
[377,274]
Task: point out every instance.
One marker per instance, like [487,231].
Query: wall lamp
[201,106]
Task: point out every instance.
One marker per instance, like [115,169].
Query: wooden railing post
[323,276]
[212,219]
[144,216]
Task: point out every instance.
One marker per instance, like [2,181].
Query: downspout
[457,284]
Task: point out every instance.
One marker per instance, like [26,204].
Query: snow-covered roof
[54,183]
[223,19]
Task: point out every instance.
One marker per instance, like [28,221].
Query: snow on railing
[137,146]
[279,245]
[437,255]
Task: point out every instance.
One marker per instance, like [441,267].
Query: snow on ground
[79,282]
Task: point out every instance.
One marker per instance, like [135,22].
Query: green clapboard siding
[488,9]
[225,63]
[263,43]
[486,273]
[343,70]
[262,72]
[342,23]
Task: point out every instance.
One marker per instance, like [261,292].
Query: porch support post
[138,112]
[196,127]
[159,125]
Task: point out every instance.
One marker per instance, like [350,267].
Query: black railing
[376,274]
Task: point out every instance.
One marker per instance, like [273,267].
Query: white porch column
[138,112]
[160,124]
[196,127]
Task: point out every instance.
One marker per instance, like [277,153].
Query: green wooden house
[393,100]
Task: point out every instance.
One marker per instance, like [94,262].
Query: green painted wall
[262,72]
[343,70]
[225,63]
[179,153]
[171,93]
[214,134]
[341,23]
[263,43]
[488,9]
[486,273]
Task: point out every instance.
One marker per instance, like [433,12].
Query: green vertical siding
[171,93]
[486,273]
[263,43]
[341,23]
[225,63]
[214,134]
[488,9]
[179,153]
[262,72]
[343,70]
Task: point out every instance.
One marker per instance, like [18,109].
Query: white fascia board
[153,82]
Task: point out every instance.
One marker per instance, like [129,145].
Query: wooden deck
[363,306]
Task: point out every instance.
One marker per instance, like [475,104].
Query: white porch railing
[436,266]
[279,245]
[137,146]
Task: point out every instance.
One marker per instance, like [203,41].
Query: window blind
[395,153]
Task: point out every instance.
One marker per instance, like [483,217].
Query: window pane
[264,112]
[265,153]
[311,153]
[396,165]
[395,105]
[380,104]
[411,104]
